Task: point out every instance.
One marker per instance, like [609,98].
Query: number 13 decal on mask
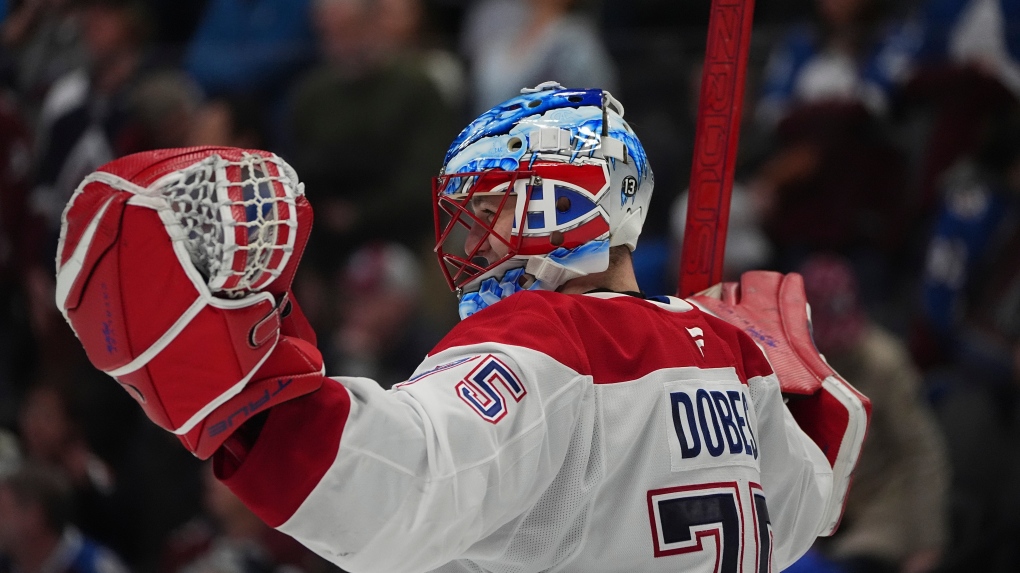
[721,519]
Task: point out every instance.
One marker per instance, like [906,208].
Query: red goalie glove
[772,308]
[174,269]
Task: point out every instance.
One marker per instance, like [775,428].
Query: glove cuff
[292,370]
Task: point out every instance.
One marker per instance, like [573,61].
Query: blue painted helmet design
[535,191]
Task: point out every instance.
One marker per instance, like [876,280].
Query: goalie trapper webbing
[237,219]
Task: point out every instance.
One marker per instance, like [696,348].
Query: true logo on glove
[246,411]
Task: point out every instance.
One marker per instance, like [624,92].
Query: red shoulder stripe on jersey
[614,340]
[297,446]
[521,320]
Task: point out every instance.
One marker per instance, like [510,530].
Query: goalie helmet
[575,176]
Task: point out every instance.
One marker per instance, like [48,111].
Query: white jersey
[551,432]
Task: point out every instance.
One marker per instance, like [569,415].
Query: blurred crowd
[879,157]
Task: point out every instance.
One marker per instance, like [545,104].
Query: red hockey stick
[715,145]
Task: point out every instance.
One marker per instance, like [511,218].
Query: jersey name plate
[710,423]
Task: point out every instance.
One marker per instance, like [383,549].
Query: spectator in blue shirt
[251,47]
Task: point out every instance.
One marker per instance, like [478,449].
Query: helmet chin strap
[550,273]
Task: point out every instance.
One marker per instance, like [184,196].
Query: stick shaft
[715,147]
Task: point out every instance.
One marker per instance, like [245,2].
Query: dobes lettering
[713,422]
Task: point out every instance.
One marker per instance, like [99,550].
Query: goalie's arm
[351,468]
[796,477]
[772,309]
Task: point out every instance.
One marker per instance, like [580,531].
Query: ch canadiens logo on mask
[709,423]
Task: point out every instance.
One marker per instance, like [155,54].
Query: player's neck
[618,277]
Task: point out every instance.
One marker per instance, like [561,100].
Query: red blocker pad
[772,309]
[129,286]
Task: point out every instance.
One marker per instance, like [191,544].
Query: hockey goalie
[569,422]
